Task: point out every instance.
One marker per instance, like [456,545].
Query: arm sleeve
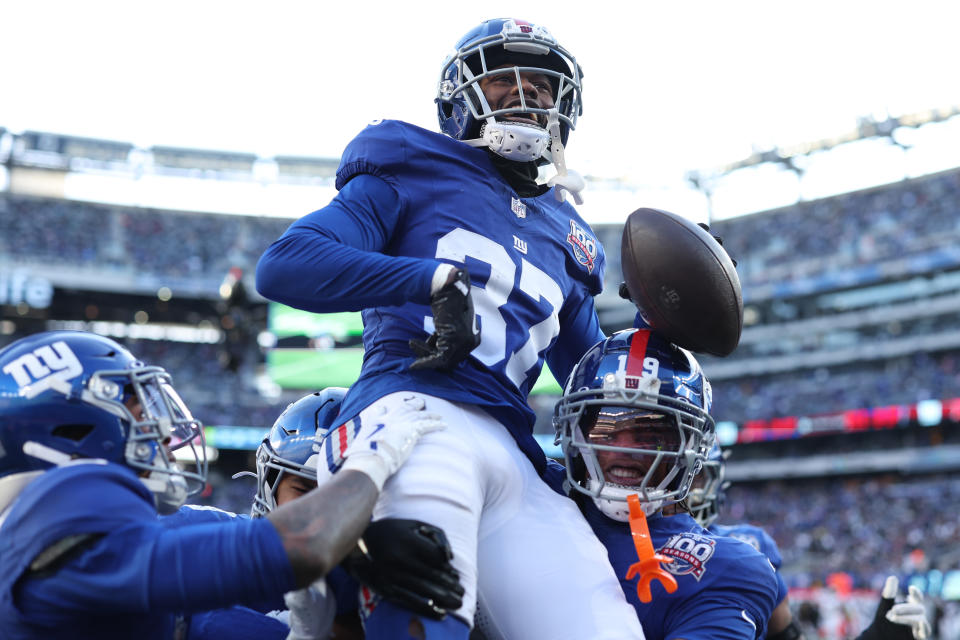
[579,330]
[153,568]
[330,260]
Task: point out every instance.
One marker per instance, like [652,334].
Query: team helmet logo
[51,366]
[690,553]
[584,245]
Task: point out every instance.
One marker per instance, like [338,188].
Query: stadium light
[786,156]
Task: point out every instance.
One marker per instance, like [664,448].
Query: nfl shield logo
[518,207]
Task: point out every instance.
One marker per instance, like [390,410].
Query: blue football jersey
[725,588]
[344,587]
[132,573]
[755,537]
[410,199]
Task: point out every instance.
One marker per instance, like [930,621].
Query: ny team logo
[690,553]
[518,207]
[584,245]
[49,367]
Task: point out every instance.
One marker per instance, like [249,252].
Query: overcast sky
[669,86]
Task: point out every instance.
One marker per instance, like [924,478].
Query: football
[682,281]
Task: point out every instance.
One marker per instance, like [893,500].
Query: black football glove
[893,621]
[408,563]
[455,332]
[706,227]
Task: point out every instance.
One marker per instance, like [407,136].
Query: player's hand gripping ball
[683,281]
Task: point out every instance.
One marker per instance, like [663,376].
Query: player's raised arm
[333,260]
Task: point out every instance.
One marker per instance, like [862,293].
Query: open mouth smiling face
[638,437]
[502,93]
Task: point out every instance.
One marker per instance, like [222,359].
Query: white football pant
[523,550]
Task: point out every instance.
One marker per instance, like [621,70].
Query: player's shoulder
[384,146]
[81,498]
[84,491]
[755,536]
[710,558]
[740,569]
[79,486]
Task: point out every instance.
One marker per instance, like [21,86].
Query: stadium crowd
[838,233]
[862,526]
[856,385]
[832,234]
[168,243]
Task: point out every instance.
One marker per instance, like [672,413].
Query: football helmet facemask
[484,52]
[70,395]
[634,418]
[289,447]
[708,492]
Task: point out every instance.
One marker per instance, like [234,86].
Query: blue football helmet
[636,408]
[289,446]
[463,110]
[68,395]
[708,492]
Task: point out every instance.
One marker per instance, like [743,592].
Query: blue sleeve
[714,617]
[639,322]
[554,475]
[331,260]
[149,567]
[236,623]
[782,590]
[771,550]
[579,330]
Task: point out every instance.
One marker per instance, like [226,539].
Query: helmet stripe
[638,351]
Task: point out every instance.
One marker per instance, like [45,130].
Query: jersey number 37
[499,338]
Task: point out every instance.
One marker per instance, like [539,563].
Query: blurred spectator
[865,527]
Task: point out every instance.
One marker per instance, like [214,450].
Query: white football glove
[911,613]
[311,612]
[385,443]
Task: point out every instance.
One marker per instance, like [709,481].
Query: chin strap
[564,180]
[648,564]
[515,141]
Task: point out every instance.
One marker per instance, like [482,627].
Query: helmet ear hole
[75,432]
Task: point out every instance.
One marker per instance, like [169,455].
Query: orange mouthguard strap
[648,565]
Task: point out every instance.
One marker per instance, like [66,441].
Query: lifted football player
[426,230]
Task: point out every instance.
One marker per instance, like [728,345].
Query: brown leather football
[682,281]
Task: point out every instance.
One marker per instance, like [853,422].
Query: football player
[704,502]
[86,434]
[893,620]
[634,420]
[470,274]
[403,561]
